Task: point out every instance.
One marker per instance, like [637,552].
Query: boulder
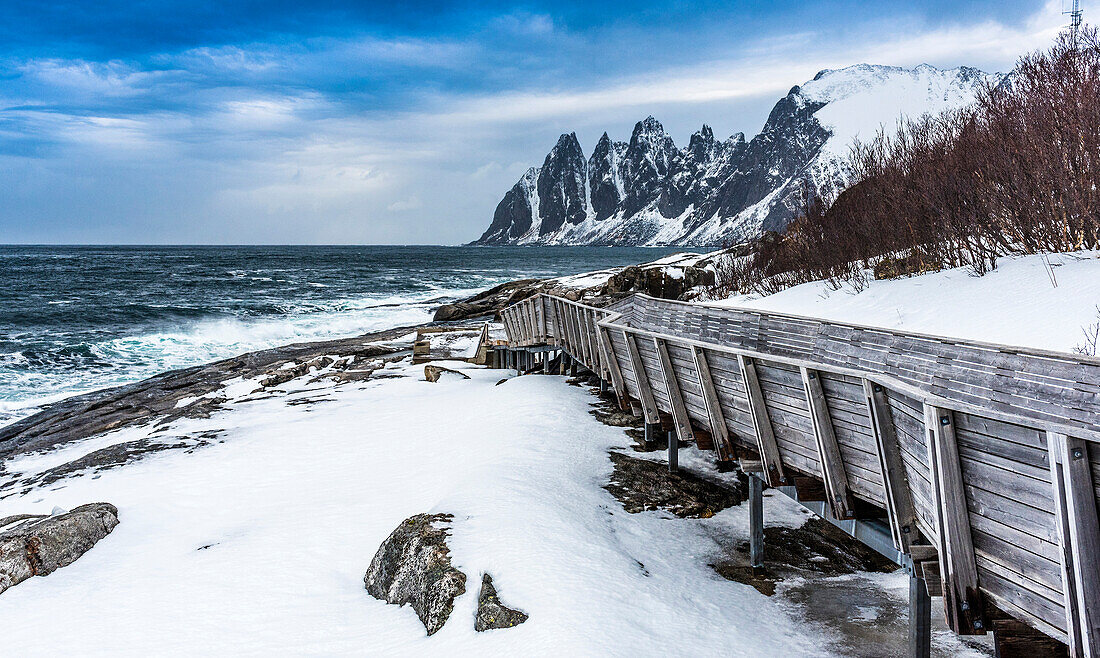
[413,566]
[491,613]
[38,545]
[433,373]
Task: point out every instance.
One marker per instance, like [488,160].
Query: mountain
[648,191]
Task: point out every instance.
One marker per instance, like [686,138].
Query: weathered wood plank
[832,463]
[613,368]
[1079,538]
[962,600]
[765,435]
[899,501]
[679,411]
[715,418]
[645,390]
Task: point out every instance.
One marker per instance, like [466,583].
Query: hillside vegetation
[1016,172]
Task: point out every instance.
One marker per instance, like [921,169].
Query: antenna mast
[1074,18]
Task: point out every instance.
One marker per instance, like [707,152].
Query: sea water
[75,319]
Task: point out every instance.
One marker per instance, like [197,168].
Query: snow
[1015,304]
[258,545]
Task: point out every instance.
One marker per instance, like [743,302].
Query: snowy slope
[257,546]
[1015,304]
[647,191]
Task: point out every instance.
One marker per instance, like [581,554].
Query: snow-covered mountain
[650,192]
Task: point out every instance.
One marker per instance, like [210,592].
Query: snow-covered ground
[257,545]
[1036,301]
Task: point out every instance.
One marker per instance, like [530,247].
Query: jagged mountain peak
[648,192]
[568,144]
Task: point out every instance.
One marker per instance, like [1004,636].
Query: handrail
[1009,431]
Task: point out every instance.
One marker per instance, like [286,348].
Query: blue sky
[391,123]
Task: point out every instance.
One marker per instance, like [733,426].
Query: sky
[323,122]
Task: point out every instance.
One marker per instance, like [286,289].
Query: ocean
[76,319]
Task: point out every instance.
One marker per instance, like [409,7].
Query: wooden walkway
[984,460]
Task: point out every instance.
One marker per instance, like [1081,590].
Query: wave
[52,369]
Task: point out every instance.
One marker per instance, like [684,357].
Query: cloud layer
[363,124]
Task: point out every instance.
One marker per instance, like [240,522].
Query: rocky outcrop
[181,393]
[683,276]
[37,545]
[491,613]
[488,302]
[648,191]
[413,567]
[644,485]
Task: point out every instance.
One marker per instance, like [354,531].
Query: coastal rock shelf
[976,466]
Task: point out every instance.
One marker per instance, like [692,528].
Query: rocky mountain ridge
[648,191]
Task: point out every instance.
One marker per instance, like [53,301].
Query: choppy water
[74,319]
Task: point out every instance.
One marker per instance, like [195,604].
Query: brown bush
[1018,172]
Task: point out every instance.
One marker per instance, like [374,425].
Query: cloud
[412,203]
[339,137]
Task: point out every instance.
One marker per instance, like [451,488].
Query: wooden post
[1079,541]
[756,523]
[645,392]
[673,452]
[613,367]
[675,396]
[920,618]
[962,601]
[1013,638]
[722,444]
[899,503]
[540,300]
[832,462]
[765,436]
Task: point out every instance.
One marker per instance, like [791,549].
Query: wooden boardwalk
[983,460]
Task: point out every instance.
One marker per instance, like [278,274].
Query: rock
[38,545]
[491,613]
[413,566]
[641,484]
[488,302]
[110,457]
[155,399]
[433,373]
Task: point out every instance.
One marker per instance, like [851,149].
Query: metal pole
[920,619]
[756,523]
[651,430]
[673,452]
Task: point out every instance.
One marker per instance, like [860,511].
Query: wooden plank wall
[1023,518]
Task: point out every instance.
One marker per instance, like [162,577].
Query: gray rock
[38,545]
[433,373]
[491,613]
[413,566]
[155,399]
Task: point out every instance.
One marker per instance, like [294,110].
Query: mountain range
[648,191]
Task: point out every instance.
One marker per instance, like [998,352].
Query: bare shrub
[1018,172]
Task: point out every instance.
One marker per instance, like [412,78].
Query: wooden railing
[984,459]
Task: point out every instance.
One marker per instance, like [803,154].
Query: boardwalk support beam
[920,618]
[832,462]
[765,435]
[722,444]
[899,503]
[756,523]
[958,568]
[1079,539]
